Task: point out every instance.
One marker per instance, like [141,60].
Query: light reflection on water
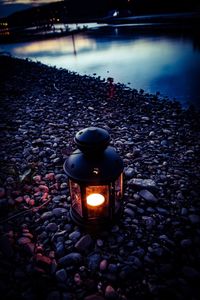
[168,64]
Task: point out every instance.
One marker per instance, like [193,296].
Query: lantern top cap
[92,139]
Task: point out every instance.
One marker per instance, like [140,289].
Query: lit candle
[95,199]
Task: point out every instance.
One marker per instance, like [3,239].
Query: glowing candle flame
[95,199]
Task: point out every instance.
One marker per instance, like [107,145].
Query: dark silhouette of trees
[76,10]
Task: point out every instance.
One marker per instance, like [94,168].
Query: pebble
[75,235]
[184,211]
[99,243]
[52,227]
[84,244]
[148,196]
[61,275]
[24,240]
[77,279]
[46,215]
[110,293]
[103,265]
[186,243]
[112,268]
[19,199]
[93,261]
[60,249]
[59,211]
[56,199]
[2,192]
[129,212]
[129,172]
[43,261]
[194,219]
[148,184]
[72,258]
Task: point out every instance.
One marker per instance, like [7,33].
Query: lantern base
[93,224]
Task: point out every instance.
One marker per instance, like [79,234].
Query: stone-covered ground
[153,252]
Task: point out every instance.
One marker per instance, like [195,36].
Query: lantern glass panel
[76,197]
[97,200]
[118,191]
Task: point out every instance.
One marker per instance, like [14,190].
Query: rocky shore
[153,252]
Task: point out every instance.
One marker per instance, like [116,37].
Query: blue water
[168,63]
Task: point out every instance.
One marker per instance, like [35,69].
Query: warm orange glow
[95,199]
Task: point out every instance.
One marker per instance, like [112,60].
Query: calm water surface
[169,64]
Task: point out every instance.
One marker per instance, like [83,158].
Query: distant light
[115,14]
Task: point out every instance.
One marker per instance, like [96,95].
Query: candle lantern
[95,173]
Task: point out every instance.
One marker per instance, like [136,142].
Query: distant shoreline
[180,19]
[158,22]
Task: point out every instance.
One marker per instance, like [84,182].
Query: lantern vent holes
[95,171]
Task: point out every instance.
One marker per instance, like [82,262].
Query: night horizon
[8,7]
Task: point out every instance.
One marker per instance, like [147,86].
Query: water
[168,63]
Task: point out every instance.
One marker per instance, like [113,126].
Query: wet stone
[149,222]
[162,211]
[110,293]
[59,211]
[57,199]
[129,172]
[70,259]
[194,219]
[43,261]
[135,261]
[112,268]
[84,244]
[148,196]
[184,211]
[148,184]
[29,248]
[93,261]
[186,243]
[60,249]
[129,212]
[24,240]
[2,192]
[115,229]
[74,236]
[47,215]
[52,227]
[103,265]
[99,243]
[61,275]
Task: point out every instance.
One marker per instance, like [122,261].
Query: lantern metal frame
[95,165]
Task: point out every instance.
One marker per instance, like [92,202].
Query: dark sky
[7,7]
